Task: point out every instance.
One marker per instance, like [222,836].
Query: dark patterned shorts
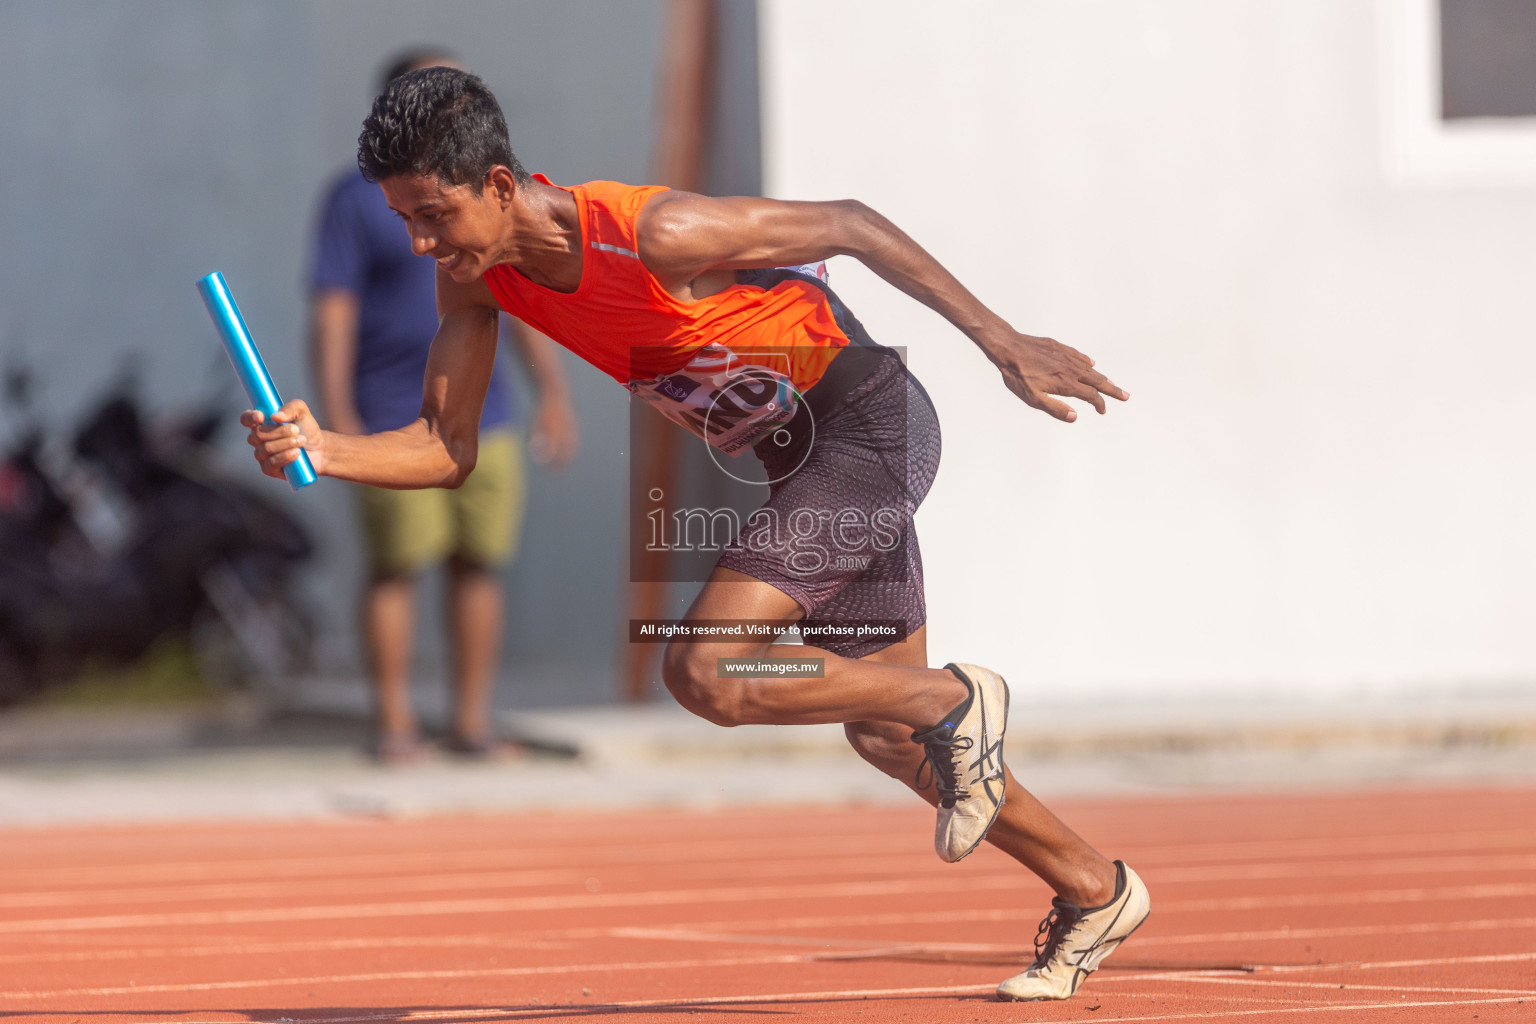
[845,478]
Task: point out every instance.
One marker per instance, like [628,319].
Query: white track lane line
[378,977]
[596,968]
[706,932]
[671,935]
[1387,965]
[585,1009]
[936,884]
[1326,1008]
[1290,983]
[441,882]
[1344,846]
[818,849]
[1512,890]
[449,883]
[290,888]
[1272,935]
[1208,873]
[547,1010]
[1144,943]
[756,849]
[1164,907]
[578,877]
[266,948]
[1343,965]
[513,904]
[733,872]
[851,868]
[647,838]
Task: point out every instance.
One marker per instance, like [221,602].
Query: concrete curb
[664,733]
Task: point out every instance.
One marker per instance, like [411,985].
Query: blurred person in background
[373,315]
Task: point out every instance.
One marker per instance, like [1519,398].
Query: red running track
[1353,908]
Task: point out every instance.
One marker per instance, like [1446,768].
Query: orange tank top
[622,321]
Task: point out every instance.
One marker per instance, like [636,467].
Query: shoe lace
[1052,931]
[942,767]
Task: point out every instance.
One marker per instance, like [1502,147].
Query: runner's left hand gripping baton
[248,365]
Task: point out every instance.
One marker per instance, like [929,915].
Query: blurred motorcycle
[117,539]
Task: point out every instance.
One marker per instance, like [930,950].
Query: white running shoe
[964,759]
[1073,941]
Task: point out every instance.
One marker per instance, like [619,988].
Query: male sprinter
[677,297]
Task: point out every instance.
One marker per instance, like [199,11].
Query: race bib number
[727,401]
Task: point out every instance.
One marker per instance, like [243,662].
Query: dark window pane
[1487,58]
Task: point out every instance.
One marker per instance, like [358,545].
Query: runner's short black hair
[438,122]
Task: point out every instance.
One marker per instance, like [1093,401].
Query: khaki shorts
[479,522]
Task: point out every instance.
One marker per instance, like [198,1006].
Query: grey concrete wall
[144,144]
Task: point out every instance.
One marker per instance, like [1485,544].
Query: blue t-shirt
[363,248]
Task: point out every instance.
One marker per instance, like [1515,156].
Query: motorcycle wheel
[262,645]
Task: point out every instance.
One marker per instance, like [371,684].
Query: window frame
[1422,149]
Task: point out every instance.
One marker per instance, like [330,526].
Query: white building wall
[1323,479]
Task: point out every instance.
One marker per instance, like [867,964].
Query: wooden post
[685,87]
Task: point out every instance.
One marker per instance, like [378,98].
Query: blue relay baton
[246,360]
